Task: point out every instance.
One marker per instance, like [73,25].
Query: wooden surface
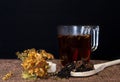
[110,74]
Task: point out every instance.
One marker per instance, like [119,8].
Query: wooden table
[110,74]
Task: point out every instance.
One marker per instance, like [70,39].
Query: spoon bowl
[97,68]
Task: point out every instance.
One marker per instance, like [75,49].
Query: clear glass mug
[77,42]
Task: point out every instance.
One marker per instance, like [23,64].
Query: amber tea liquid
[74,48]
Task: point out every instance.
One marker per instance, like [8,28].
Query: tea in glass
[76,43]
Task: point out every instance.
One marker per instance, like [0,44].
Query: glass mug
[77,42]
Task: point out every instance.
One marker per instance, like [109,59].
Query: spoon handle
[110,63]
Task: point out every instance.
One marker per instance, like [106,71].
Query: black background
[32,24]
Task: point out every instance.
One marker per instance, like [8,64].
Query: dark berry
[65,72]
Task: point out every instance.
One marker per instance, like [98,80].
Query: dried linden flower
[7,76]
[34,63]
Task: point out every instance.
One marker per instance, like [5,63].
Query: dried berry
[65,72]
[74,66]
[84,67]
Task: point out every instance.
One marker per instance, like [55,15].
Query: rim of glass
[76,25]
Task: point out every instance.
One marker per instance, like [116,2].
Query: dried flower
[34,63]
[7,76]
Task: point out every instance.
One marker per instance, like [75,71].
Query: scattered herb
[7,76]
[34,63]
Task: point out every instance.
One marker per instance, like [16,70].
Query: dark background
[32,24]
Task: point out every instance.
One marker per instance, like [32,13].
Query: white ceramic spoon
[97,68]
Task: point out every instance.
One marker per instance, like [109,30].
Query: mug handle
[95,38]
